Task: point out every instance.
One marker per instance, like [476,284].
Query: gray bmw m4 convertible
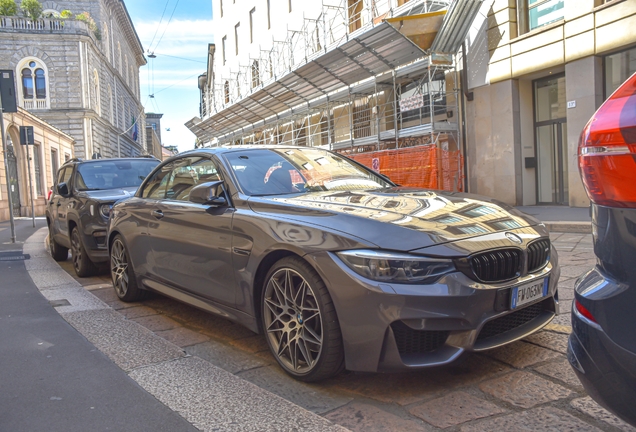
[336,265]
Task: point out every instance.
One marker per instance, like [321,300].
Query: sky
[171,29]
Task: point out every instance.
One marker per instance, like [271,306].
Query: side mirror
[210,193]
[62,189]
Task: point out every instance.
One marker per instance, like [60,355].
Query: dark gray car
[77,213]
[336,265]
[602,346]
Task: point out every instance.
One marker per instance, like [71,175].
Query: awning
[457,22]
[367,54]
[421,29]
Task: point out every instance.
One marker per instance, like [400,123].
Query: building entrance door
[551,148]
[13,180]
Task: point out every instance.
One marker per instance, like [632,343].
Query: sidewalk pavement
[58,379]
[562,218]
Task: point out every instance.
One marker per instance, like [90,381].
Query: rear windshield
[113,174]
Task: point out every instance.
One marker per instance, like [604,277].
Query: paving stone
[182,336]
[411,387]
[587,406]
[106,295]
[522,354]
[118,305]
[137,311]
[563,319]
[215,400]
[359,417]
[453,409]
[471,369]
[170,307]
[524,389]
[252,344]
[215,326]
[574,270]
[562,371]
[313,397]
[565,305]
[127,343]
[551,340]
[227,357]
[571,238]
[399,388]
[542,419]
[156,322]
[94,287]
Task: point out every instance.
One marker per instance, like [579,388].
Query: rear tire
[300,322]
[122,273]
[58,252]
[82,264]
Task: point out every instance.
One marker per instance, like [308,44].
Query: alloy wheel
[76,247]
[119,267]
[293,321]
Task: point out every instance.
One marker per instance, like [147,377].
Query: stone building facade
[537,71]
[83,79]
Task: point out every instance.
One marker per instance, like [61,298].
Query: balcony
[45,26]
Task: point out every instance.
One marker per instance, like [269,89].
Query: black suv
[77,213]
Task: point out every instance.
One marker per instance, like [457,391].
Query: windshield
[113,174]
[286,171]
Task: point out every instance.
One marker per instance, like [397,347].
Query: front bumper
[396,327]
[94,238]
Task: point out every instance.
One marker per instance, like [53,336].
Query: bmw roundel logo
[514,238]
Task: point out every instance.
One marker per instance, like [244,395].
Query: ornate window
[34,84]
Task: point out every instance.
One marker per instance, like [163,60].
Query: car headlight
[104,209]
[383,266]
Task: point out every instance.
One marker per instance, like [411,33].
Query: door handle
[157,213]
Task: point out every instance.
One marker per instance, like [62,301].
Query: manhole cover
[58,303]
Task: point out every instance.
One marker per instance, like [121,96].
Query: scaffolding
[347,81]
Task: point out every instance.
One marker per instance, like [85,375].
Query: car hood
[397,218]
[110,194]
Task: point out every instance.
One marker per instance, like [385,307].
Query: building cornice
[123,17]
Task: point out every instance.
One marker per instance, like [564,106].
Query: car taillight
[583,311]
[607,150]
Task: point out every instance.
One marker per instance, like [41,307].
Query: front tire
[300,322]
[122,274]
[82,264]
[58,252]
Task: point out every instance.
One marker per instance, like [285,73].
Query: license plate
[529,292]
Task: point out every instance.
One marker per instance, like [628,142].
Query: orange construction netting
[423,166]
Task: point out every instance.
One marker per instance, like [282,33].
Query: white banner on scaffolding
[411,103]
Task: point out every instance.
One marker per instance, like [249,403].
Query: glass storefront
[551,140]
[618,67]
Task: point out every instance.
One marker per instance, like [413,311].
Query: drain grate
[13,256]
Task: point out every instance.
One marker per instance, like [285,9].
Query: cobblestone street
[527,386]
